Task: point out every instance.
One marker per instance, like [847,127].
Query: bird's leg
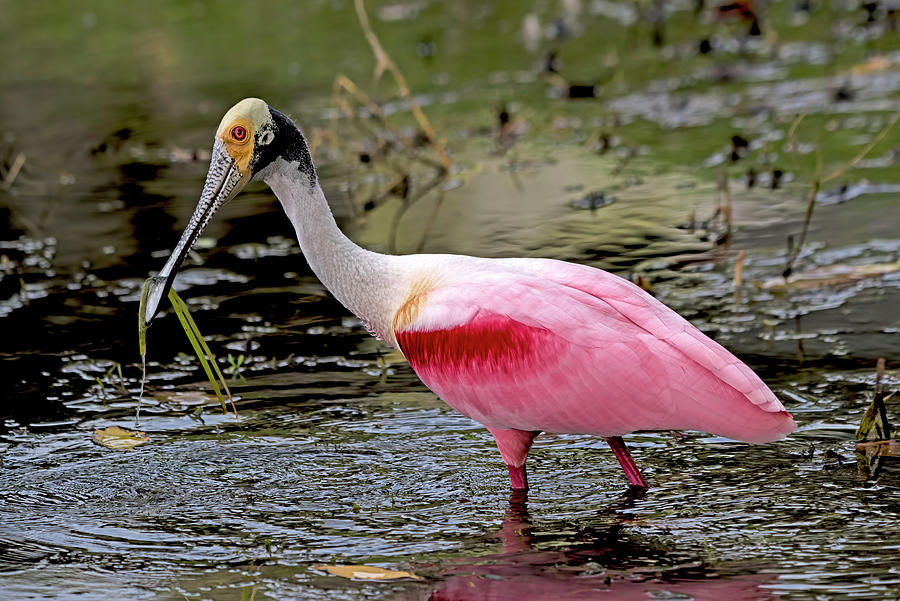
[517,477]
[631,470]
[514,446]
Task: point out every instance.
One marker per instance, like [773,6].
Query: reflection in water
[601,560]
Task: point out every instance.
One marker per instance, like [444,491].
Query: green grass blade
[142,325]
[201,349]
[203,345]
[205,348]
[142,345]
[183,317]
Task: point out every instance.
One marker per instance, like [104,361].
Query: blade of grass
[121,378]
[204,354]
[142,325]
[199,352]
[142,344]
[205,348]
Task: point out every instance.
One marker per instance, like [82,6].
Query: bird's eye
[239,133]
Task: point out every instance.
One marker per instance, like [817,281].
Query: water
[340,455]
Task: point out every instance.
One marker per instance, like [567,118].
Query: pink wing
[546,345]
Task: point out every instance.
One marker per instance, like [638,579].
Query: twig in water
[342,82]
[624,161]
[819,180]
[316,137]
[725,202]
[17,165]
[409,202]
[429,223]
[383,63]
[514,175]
[739,276]
[801,349]
[862,153]
[792,133]
[810,205]
[396,185]
[879,375]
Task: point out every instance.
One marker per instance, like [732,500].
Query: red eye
[239,133]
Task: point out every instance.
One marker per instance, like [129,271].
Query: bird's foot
[635,492]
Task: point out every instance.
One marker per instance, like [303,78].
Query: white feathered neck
[371,285]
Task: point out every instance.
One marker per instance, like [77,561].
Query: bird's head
[249,142]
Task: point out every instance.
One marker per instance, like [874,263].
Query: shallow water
[340,455]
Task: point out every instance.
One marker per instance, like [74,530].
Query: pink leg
[514,446]
[631,470]
[517,477]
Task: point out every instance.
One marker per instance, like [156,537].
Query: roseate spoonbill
[522,346]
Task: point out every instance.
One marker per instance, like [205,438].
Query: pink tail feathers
[757,427]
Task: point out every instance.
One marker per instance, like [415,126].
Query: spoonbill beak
[223,182]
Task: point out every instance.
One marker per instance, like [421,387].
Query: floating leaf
[118,438]
[365,572]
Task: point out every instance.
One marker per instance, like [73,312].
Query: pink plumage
[521,345]
[531,345]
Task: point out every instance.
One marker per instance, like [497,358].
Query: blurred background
[739,160]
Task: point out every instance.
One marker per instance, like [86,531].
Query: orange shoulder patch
[409,310]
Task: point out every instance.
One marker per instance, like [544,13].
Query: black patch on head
[288,144]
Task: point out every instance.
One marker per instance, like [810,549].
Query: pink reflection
[521,573]
[523,585]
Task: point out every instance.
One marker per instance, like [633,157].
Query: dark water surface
[340,455]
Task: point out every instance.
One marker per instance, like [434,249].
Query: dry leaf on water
[365,572]
[881,448]
[875,64]
[117,438]
[832,275]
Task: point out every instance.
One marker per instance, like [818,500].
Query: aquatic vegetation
[874,431]
[198,343]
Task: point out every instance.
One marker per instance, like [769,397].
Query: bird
[523,346]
